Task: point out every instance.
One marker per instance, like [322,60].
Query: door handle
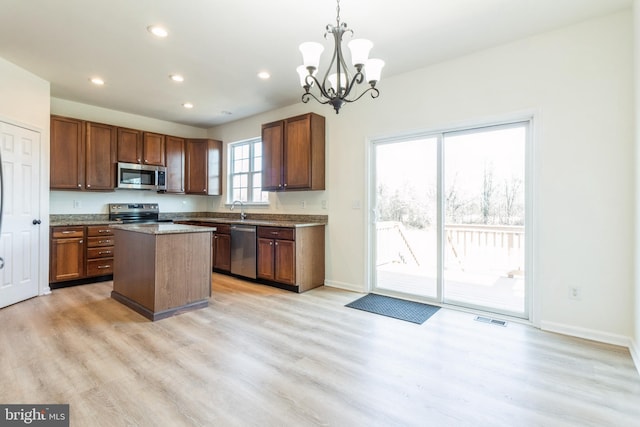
[36,222]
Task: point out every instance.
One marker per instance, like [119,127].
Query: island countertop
[163,228]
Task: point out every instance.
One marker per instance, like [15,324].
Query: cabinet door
[265,259]
[196,167]
[223,252]
[129,145]
[67,259]
[272,145]
[174,150]
[285,261]
[297,153]
[153,149]
[67,153]
[100,157]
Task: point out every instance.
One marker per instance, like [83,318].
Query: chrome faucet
[242,214]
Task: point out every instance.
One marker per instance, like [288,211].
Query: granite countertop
[249,221]
[72,222]
[164,228]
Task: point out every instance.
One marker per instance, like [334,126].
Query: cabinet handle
[104,241]
[270,243]
[275,233]
[88,185]
[285,185]
[67,232]
[104,252]
[139,160]
[146,161]
[103,266]
[104,231]
[79,185]
[80,241]
[276,243]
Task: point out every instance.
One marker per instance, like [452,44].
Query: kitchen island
[161,270]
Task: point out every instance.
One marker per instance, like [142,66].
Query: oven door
[139,177]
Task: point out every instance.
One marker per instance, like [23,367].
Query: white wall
[25,102]
[577,81]
[62,202]
[635,349]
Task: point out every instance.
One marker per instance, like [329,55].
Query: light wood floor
[259,356]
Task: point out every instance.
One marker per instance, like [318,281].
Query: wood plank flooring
[260,356]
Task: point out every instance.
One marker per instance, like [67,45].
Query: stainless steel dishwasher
[243,250]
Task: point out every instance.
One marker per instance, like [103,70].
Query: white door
[19,238]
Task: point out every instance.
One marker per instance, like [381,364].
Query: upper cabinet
[293,156]
[83,155]
[174,156]
[135,146]
[67,153]
[203,167]
[100,172]
[153,149]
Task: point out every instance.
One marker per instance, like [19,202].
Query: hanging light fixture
[338,82]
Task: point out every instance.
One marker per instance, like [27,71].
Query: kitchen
[525,74]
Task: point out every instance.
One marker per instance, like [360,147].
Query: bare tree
[488,190]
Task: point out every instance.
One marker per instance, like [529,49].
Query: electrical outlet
[303,204]
[575,292]
[76,204]
[323,204]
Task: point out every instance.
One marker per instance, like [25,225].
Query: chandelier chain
[338,13]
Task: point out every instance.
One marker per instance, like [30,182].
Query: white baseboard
[346,286]
[635,354]
[589,334]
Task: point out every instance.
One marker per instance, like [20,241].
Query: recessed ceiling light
[96,81]
[264,75]
[157,31]
[187,105]
[176,77]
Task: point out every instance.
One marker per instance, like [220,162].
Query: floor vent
[490,321]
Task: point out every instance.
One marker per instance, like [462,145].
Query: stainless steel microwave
[142,177]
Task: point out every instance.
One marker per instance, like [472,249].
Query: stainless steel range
[130,213]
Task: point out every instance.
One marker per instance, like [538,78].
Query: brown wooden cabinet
[174,156]
[136,146]
[153,149]
[203,167]
[83,155]
[291,256]
[100,250]
[67,153]
[222,247]
[129,145]
[100,172]
[67,253]
[276,255]
[79,252]
[293,154]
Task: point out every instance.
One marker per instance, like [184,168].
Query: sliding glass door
[449,217]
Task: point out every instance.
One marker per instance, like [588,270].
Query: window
[245,172]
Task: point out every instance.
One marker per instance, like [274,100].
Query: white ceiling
[220,46]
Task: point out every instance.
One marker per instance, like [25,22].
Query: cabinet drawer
[221,228]
[277,233]
[101,252]
[93,242]
[64,232]
[99,267]
[99,230]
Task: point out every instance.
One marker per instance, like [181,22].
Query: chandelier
[338,82]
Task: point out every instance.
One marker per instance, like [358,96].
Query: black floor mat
[409,311]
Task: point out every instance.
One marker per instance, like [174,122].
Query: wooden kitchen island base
[161,270]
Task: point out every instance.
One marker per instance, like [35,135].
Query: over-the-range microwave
[142,177]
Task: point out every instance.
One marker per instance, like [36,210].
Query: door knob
[36,222]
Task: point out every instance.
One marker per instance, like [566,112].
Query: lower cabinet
[222,247]
[277,255]
[67,254]
[100,244]
[80,252]
[293,257]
